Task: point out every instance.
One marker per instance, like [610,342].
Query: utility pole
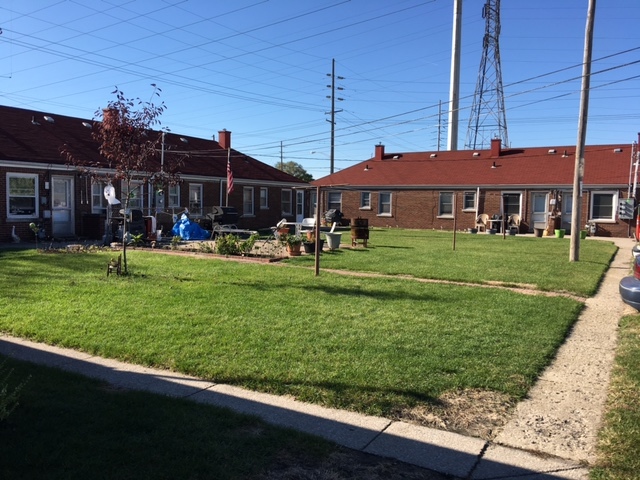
[333,109]
[578,175]
[281,158]
[454,86]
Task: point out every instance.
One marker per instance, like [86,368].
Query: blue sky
[259,69]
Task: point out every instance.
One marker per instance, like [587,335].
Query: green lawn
[619,445]
[366,344]
[543,262]
[374,345]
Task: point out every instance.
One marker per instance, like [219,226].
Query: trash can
[539,228]
[333,240]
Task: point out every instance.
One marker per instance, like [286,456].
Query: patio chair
[481,222]
[513,222]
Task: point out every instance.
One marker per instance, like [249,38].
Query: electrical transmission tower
[488,118]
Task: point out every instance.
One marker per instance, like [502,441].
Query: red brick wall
[419,209]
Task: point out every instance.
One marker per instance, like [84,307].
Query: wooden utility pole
[578,176]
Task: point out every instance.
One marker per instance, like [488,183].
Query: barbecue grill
[224,215]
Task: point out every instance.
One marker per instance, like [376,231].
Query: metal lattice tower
[488,118]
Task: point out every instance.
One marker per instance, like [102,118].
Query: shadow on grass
[440,453]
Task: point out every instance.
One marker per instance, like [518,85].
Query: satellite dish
[110,195]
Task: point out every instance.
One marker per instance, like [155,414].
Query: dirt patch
[475,412]
[345,464]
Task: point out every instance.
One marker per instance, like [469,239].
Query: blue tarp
[189,230]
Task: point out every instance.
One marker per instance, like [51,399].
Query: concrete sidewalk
[522,450]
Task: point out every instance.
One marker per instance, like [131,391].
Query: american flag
[229,175]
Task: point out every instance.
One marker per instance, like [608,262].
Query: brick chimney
[379,152]
[495,147]
[109,116]
[224,139]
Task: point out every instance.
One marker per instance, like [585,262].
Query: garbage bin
[333,240]
[539,228]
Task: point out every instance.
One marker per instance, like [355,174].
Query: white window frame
[195,199]
[502,204]
[136,202]
[173,194]
[36,203]
[469,196]
[99,203]
[334,200]
[614,206]
[384,204]
[247,202]
[286,201]
[442,204]
[264,198]
[365,200]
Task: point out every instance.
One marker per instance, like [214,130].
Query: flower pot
[294,250]
[492,231]
[583,234]
[333,240]
[559,232]
[473,230]
[310,247]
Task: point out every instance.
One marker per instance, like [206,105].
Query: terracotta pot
[294,250]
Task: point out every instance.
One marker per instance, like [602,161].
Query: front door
[299,205]
[567,211]
[62,213]
[539,212]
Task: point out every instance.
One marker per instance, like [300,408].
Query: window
[469,201]
[334,201]
[195,199]
[174,196]
[135,195]
[264,198]
[99,203]
[602,205]
[384,204]
[314,201]
[511,204]
[22,190]
[285,200]
[247,201]
[445,209]
[365,200]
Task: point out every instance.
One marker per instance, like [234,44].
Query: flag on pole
[229,174]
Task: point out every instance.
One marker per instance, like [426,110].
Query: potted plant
[309,244]
[293,243]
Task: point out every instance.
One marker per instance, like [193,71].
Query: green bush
[228,244]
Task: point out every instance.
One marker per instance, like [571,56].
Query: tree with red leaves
[130,152]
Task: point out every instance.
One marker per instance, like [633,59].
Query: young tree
[129,152]
[295,169]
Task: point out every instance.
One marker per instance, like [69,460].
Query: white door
[299,205]
[539,209]
[62,212]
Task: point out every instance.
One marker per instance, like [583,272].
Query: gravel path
[563,412]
